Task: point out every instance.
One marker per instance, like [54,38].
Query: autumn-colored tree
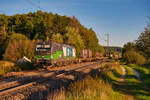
[18,46]
[74,23]
[3,40]
[3,34]
[45,26]
[57,38]
[100,49]
[72,37]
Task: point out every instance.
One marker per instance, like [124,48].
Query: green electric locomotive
[53,53]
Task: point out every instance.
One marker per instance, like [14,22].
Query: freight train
[56,54]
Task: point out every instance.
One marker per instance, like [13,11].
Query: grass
[98,85]
[144,74]
[132,85]
[105,85]
[6,66]
[93,89]
[130,75]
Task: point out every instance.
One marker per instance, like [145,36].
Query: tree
[74,23]
[3,34]
[18,46]
[45,26]
[57,38]
[17,37]
[3,40]
[4,20]
[72,37]
[130,46]
[59,24]
[143,42]
[89,38]
[101,49]
[133,57]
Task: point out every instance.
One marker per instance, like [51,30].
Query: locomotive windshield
[43,47]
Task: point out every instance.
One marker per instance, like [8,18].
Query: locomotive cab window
[45,47]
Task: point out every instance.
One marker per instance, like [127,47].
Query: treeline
[20,31]
[138,52]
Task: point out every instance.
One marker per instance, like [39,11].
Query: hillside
[47,26]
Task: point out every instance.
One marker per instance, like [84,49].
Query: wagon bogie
[98,55]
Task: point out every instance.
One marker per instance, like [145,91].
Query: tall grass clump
[93,89]
[6,66]
[112,70]
[97,86]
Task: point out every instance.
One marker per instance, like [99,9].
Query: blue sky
[124,20]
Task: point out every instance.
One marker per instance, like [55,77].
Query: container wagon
[85,53]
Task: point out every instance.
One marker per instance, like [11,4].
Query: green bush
[133,57]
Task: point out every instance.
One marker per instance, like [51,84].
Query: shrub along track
[53,79]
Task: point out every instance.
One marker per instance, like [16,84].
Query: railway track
[25,80]
[22,81]
[11,88]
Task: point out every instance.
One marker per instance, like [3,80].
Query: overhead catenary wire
[34,4]
[100,37]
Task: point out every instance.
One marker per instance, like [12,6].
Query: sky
[124,20]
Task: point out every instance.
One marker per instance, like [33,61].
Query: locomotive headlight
[60,55]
